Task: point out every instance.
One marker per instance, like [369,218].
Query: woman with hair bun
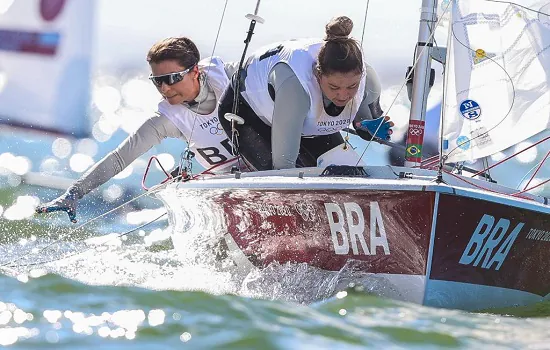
[296,96]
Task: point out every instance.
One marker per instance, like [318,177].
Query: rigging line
[362,40]
[518,5]
[461,178]
[486,164]
[528,172]
[531,188]
[511,104]
[195,114]
[86,249]
[512,156]
[536,171]
[415,62]
[152,190]
[364,23]
[208,69]
[235,83]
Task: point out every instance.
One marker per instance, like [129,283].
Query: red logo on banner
[50,9]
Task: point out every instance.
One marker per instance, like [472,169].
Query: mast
[421,79]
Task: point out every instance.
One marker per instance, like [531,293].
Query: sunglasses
[169,79]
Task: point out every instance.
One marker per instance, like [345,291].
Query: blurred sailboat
[45,65]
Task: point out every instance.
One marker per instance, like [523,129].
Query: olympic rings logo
[306,211]
[216,130]
[416,132]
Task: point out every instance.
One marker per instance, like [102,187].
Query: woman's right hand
[67,202]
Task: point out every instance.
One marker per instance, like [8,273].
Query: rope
[512,156]
[536,171]
[206,75]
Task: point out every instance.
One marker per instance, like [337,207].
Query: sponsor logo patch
[470,109]
[463,142]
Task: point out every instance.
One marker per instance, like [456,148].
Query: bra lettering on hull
[348,231]
[491,243]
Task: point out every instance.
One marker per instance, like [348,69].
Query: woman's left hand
[378,128]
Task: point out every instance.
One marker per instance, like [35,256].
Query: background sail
[45,63]
[498,64]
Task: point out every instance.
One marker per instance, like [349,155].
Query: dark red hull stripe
[378,231]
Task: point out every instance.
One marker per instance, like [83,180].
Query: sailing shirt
[292,110]
[203,132]
[158,127]
[301,57]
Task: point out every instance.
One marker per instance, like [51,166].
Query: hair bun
[339,28]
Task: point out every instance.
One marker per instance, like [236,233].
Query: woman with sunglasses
[190,89]
[296,96]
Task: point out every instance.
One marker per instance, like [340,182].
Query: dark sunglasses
[169,79]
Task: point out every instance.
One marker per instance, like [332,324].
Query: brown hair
[339,53]
[181,49]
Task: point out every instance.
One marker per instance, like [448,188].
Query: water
[47,310]
[134,291]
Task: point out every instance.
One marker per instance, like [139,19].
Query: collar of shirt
[330,108]
[204,92]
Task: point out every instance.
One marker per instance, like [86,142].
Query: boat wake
[201,262]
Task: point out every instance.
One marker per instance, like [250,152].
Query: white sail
[498,83]
[45,63]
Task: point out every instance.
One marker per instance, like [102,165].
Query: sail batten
[498,66]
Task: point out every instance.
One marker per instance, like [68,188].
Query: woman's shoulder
[373,87]
[211,60]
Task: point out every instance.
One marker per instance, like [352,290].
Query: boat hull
[487,254]
[430,244]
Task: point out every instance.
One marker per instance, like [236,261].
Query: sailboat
[45,57]
[45,77]
[431,234]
